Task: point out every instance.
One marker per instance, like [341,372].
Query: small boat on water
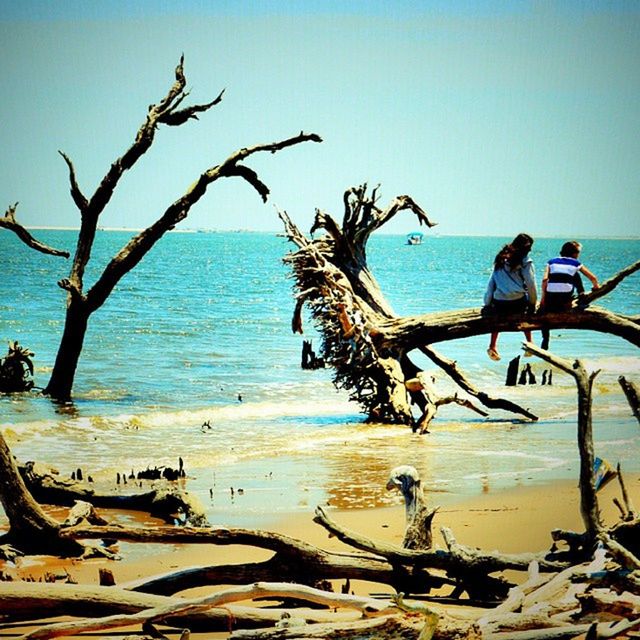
[415,237]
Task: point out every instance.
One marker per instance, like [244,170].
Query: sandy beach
[516,520]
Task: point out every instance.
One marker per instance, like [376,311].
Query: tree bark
[31,530]
[64,370]
[8,221]
[368,346]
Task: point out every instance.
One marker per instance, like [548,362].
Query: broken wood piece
[185,606]
[632,394]
[163,499]
[628,513]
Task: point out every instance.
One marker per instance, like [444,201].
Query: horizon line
[279,232]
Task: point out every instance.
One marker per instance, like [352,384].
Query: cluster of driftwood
[589,582]
[369,347]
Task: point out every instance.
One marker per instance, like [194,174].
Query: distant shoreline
[279,231]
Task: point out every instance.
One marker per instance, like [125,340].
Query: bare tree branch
[450,367]
[77,195]
[608,285]
[137,247]
[8,221]
[588,499]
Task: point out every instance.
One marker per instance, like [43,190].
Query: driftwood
[8,221]
[368,346]
[632,394]
[422,389]
[549,604]
[309,359]
[418,515]
[33,600]
[293,560]
[183,607]
[16,369]
[162,499]
[584,382]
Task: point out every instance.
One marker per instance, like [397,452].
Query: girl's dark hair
[514,252]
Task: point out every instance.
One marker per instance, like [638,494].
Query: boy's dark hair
[570,249]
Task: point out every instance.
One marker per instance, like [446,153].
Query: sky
[497,117]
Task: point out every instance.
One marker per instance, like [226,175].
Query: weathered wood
[182,607]
[162,498]
[584,382]
[294,560]
[169,111]
[603,630]
[411,332]
[607,286]
[418,515]
[450,367]
[602,600]
[629,512]
[364,341]
[8,221]
[512,372]
[392,627]
[632,394]
[37,601]
[459,558]
[423,393]
[31,530]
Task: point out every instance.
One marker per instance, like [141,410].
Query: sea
[193,357]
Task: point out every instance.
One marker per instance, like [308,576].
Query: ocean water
[200,331]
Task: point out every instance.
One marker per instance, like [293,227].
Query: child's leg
[492,351]
[545,339]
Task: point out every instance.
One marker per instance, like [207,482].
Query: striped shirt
[562,274]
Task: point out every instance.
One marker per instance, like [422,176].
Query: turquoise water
[205,319]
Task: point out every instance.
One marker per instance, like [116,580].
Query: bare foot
[493,354]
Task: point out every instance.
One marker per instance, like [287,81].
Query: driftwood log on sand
[592,587]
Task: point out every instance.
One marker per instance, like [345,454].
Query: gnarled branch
[8,221]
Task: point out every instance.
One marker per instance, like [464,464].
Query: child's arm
[488,294]
[588,274]
[543,288]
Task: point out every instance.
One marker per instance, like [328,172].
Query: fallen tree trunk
[20,601]
[412,332]
[294,560]
[162,499]
[369,347]
[183,607]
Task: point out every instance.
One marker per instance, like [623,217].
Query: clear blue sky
[497,117]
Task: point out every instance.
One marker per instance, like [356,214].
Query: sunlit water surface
[200,332]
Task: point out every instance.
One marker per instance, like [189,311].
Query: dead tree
[16,369]
[8,221]
[584,382]
[81,301]
[31,529]
[368,346]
